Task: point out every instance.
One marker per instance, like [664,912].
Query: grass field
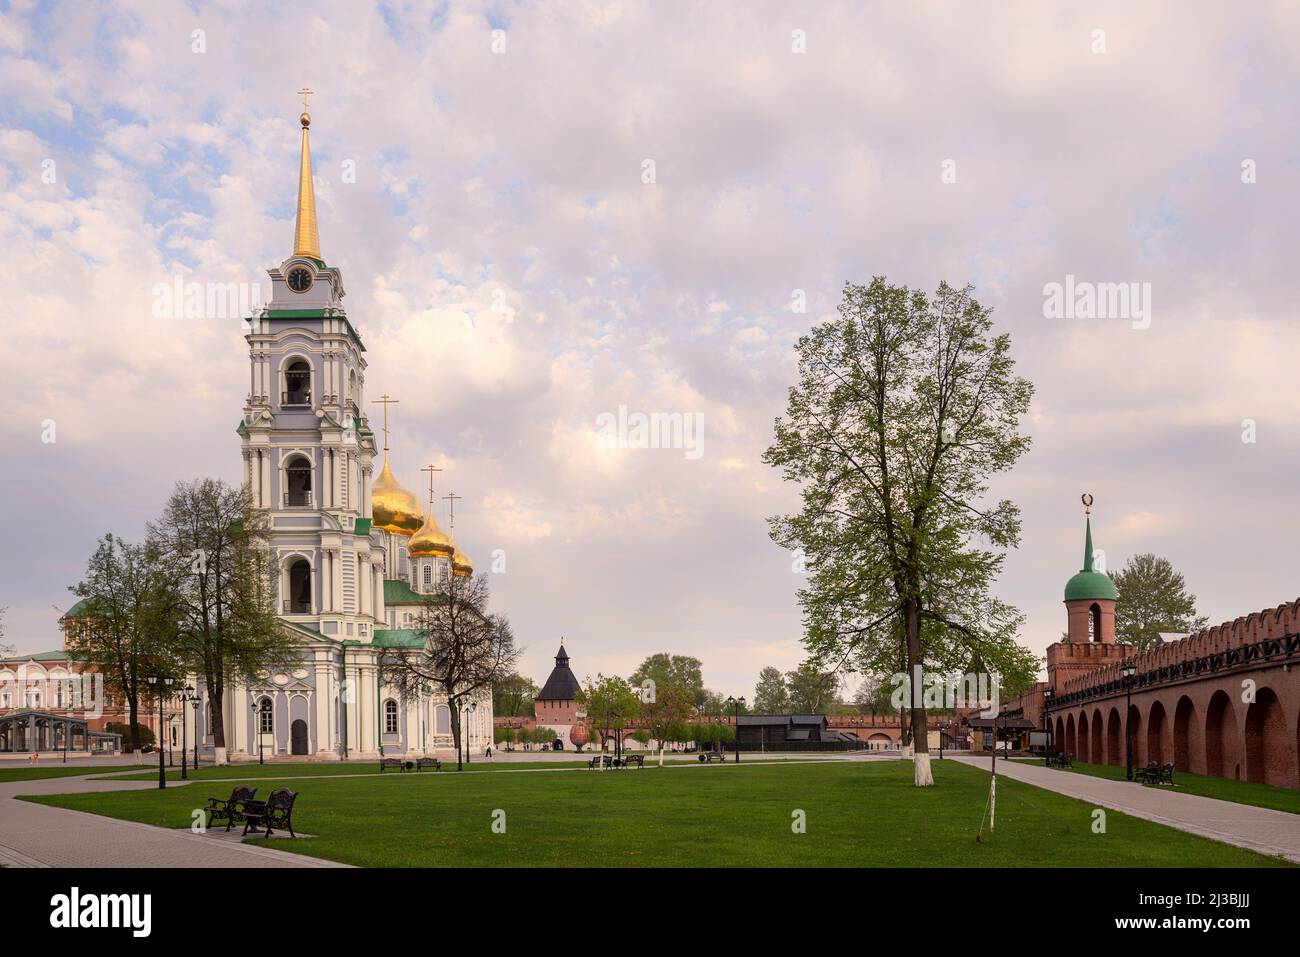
[1243,792]
[28,773]
[857,814]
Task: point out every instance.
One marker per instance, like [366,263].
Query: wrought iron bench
[422,763]
[392,764]
[601,760]
[230,810]
[1148,775]
[707,756]
[277,811]
[631,759]
[1058,760]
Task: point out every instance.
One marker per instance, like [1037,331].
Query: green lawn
[254,771]
[29,773]
[1242,792]
[857,814]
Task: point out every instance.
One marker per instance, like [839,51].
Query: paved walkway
[33,835]
[1255,828]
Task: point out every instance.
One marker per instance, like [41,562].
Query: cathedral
[356,555]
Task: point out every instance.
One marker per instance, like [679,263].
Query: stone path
[1255,828]
[33,835]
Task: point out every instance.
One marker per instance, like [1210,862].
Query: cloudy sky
[514,276]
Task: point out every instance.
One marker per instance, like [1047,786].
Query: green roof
[43,656]
[81,609]
[397,592]
[362,526]
[1089,584]
[400,638]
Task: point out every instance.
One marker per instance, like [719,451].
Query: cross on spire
[304,92]
[385,401]
[431,468]
[451,507]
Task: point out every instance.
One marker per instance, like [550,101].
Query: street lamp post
[159,684]
[736,705]
[195,701]
[185,699]
[257,729]
[469,713]
[1128,669]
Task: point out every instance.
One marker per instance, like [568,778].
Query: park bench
[392,764]
[707,756]
[231,809]
[631,759]
[277,811]
[1059,760]
[423,763]
[1148,775]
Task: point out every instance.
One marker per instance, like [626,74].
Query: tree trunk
[661,754]
[133,714]
[920,738]
[215,696]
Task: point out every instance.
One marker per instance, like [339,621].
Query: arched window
[428,575]
[352,387]
[390,716]
[298,599]
[297,384]
[1094,622]
[265,717]
[297,482]
[441,719]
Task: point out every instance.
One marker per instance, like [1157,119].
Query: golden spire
[305,240]
[430,540]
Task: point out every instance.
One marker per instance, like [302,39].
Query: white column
[266,479]
[324,702]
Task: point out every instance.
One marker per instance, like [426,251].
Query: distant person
[489,752]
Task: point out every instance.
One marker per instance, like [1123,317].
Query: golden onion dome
[393,508]
[460,562]
[430,540]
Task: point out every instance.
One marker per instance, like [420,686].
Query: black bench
[631,759]
[392,764]
[423,763]
[706,756]
[1155,773]
[230,810]
[1061,760]
[601,760]
[277,811]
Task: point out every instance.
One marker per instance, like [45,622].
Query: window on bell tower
[297,384]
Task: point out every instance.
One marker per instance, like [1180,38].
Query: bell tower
[306,444]
[1090,595]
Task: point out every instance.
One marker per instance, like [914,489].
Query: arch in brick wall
[1083,737]
[1156,734]
[1133,733]
[1270,757]
[1059,738]
[1071,744]
[1097,738]
[1114,738]
[1188,752]
[1222,756]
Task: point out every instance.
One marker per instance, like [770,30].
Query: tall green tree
[669,706]
[129,629]
[216,547]
[904,407]
[610,703]
[770,695]
[514,696]
[675,671]
[1152,598]
[812,690]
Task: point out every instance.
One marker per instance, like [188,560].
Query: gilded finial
[1087,504]
[306,242]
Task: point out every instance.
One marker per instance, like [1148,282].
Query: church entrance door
[298,737]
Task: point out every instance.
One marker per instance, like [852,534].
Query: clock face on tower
[299,279]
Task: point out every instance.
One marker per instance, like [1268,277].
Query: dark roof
[561,685]
[1003,724]
[767,720]
[798,734]
[818,719]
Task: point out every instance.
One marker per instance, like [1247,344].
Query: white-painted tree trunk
[921,764]
[661,755]
[219,756]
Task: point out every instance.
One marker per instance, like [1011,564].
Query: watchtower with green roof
[1090,595]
